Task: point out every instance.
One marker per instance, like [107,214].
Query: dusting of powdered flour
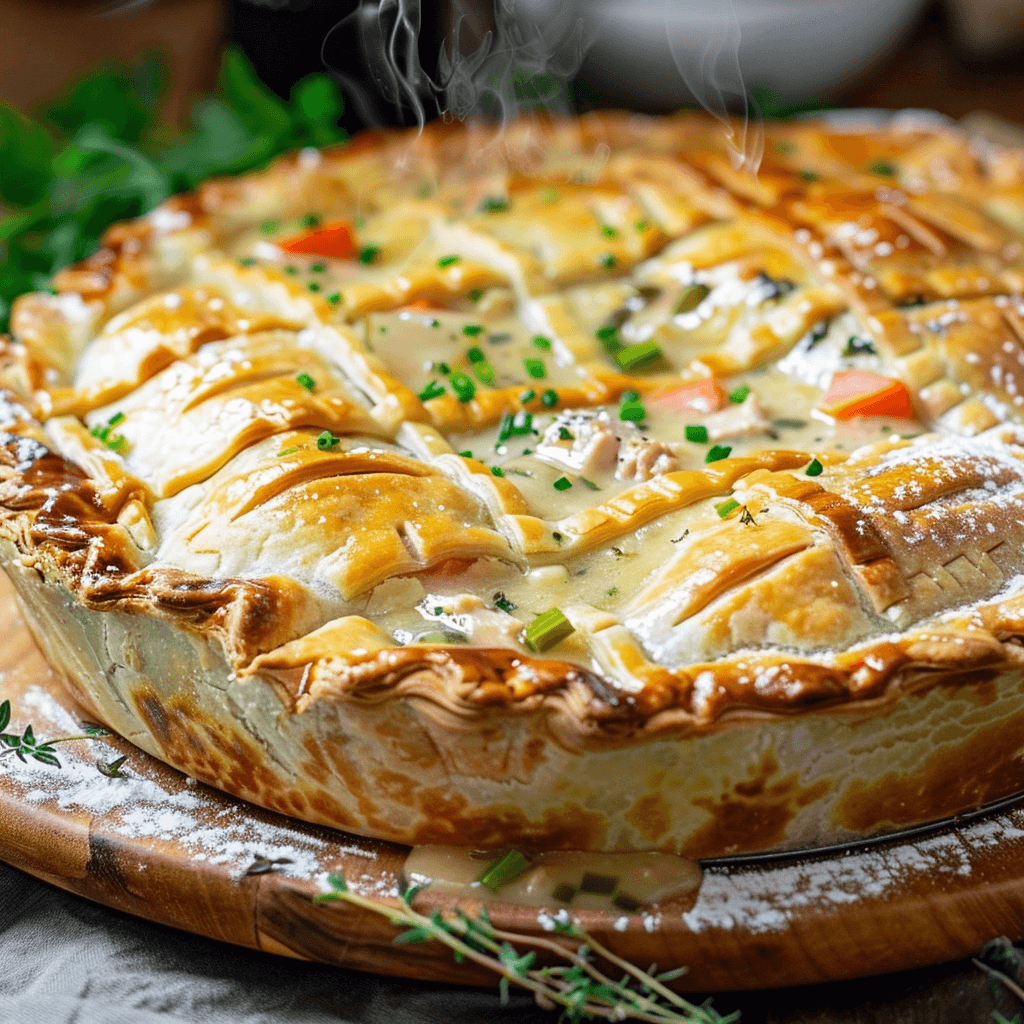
[211,827]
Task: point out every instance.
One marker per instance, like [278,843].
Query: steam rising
[525,54]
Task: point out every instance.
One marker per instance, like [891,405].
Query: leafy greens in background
[100,154]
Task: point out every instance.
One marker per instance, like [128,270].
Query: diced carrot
[332,240]
[862,393]
[696,395]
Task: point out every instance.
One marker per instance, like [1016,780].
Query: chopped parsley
[549,399]
[502,602]
[311,220]
[475,294]
[740,394]
[306,381]
[608,231]
[608,261]
[472,330]
[448,261]
[334,298]
[535,368]
[497,471]
[475,355]
[717,453]
[539,341]
[696,433]
[318,268]
[268,227]
[563,483]
[247,261]
[642,225]
[814,468]
[313,286]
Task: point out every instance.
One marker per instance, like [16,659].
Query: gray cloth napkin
[65,960]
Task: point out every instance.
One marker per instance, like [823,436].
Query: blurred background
[955,56]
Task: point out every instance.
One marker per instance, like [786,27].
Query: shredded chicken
[592,447]
[744,420]
[640,458]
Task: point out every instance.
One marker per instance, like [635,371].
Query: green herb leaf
[609,262]
[717,453]
[368,254]
[502,602]
[563,483]
[696,433]
[473,330]
[740,394]
[463,387]
[548,630]
[539,341]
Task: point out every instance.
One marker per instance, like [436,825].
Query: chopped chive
[448,261]
[502,602]
[472,330]
[814,468]
[116,418]
[717,453]
[549,398]
[859,346]
[497,471]
[609,337]
[608,231]
[288,451]
[313,286]
[306,381]
[463,387]
[326,441]
[484,372]
[589,483]
[563,483]
[740,394]
[527,396]
[432,390]
[633,357]
[494,204]
[563,892]
[727,507]
[598,885]
[539,341]
[696,433]
[475,355]
[634,412]
[311,220]
[626,902]
[608,261]
[565,434]
[693,295]
[505,427]
[368,254]
[318,268]
[548,630]
[505,870]
[334,298]
[247,261]
[535,368]
[642,225]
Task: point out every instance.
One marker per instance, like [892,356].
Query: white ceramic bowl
[659,54]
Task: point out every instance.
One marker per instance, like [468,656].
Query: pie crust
[257,518]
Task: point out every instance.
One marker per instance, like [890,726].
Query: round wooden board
[158,845]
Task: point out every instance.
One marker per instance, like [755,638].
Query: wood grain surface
[165,848]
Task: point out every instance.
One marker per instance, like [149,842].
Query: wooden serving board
[162,847]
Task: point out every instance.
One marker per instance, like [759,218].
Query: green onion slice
[696,433]
[814,468]
[549,399]
[463,387]
[504,870]
[306,381]
[535,368]
[327,441]
[726,508]
[740,394]
[718,452]
[368,254]
[693,295]
[563,483]
[548,630]
[432,390]
[448,261]
[632,357]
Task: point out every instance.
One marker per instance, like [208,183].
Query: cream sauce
[627,882]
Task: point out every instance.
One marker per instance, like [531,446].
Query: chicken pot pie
[563,487]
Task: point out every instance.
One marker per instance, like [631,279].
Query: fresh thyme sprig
[580,989]
[40,750]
